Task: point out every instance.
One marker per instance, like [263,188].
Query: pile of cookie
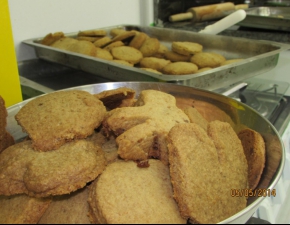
[112,157]
[137,49]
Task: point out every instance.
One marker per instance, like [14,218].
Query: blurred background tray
[272,18]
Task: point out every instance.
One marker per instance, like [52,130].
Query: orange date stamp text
[259,192]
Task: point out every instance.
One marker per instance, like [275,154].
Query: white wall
[36,18]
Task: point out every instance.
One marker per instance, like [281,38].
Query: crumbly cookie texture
[186,48]
[180,68]
[207,59]
[142,129]
[53,119]
[43,174]
[127,53]
[151,186]
[221,169]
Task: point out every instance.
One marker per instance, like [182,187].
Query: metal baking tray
[259,56]
[272,18]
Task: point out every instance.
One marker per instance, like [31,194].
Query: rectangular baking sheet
[272,18]
[259,57]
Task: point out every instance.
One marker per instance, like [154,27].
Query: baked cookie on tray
[204,168]
[53,119]
[141,129]
[22,209]
[68,209]
[43,174]
[135,195]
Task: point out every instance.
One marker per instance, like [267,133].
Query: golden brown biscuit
[64,43]
[92,33]
[151,70]
[161,51]
[127,53]
[207,59]
[124,36]
[254,149]
[68,209]
[138,40]
[51,38]
[114,98]
[230,61]
[86,38]
[130,185]
[150,47]
[180,68]
[102,42]
[103,54]
[113,45]
[141,130]
[208,111]
[42,174]
[175,57]
[114,32]
[154,63]
[22,209]
[186,48]
[220,170]
[55,118]
[83,47]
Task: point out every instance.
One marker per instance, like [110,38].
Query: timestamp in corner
[259,192]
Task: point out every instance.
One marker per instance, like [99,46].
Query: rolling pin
[203,13]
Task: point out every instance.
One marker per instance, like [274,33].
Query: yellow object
[10,88]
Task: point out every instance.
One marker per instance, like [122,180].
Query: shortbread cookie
[207,59]
[6,141]
[124,36]
[138,40]
[130,185]
[92,33]
[127,53]
[102,42]
[150,47]
[68,209]
[86,38]
[186,48]
[161,51]
[180,68]
[141,130]
[221,169]
[103,54]
[254,148]
[22,209]
[175,57]
[83,47]
[64,43]
[113,45]
[116,31]
[42,174]
[55,118]
[51,38]
[154,63]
